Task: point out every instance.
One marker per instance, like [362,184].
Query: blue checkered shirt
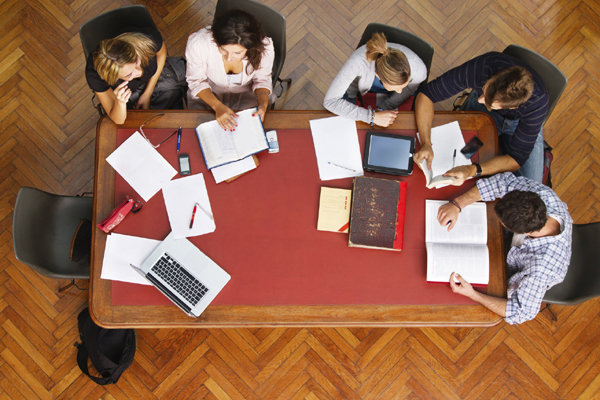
[539,263]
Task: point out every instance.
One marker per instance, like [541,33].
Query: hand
[426,153]
[226,117]
[448,215]
[463,287]
[261,111]
[461,174]
[143,102]
[122,93]
[385,118]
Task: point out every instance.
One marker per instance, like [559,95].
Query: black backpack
[111,350]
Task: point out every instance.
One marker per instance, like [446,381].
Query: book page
[221,146]
[334,210]
[471,226]
[445,139]
[471,261]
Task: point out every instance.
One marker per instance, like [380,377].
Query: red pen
[193,215]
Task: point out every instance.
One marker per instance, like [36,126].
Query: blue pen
[178,139]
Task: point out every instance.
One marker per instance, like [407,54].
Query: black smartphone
[184,164]
[472,147]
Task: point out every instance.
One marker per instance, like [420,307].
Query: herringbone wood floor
[47,128]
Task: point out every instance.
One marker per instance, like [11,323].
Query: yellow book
[334,210]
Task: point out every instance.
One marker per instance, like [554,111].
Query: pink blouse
[206,70]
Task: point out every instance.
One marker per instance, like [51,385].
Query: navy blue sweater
[474,74]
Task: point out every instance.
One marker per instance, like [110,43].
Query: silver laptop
[184,274]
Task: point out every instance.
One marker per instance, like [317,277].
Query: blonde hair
[391,65]
[112,54]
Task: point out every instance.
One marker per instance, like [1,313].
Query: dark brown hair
[521,212]
[239,27]
[391,65]
[511,87]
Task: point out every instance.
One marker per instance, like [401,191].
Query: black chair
[554,79]
[109,25]
[273,23]
[582,282]
[43,229]
[396,35]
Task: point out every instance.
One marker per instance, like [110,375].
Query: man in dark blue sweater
[512,93]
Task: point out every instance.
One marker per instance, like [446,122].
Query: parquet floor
[47,128]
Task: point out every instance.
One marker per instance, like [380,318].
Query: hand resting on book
[460,174]
[448,215]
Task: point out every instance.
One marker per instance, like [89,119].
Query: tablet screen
[389,152]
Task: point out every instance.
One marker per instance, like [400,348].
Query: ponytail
[391,65]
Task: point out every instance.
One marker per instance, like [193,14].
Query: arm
[448,213]
[115,102]
[262,80]
[496,165]
[494,304]
[144,100]
[424,119]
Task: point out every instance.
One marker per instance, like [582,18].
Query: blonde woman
[123,71]
[389,69]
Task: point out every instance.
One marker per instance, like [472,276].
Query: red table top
[266,236]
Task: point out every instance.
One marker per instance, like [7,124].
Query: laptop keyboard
[181,281]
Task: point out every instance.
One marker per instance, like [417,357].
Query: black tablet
[387,153]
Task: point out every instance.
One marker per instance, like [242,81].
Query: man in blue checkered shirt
[541,245]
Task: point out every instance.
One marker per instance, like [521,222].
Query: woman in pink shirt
[229,67]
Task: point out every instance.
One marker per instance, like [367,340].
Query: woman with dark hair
[229,67]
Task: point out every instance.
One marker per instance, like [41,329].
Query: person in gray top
[389,69]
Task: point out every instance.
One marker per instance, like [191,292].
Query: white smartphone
[273,143]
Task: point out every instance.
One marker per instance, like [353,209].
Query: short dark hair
[240,27]
[511,87]
[521,212]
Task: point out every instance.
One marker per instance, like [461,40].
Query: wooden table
[111,316]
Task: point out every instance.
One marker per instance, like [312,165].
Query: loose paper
[180,197]
[235,168]
[336,147]
[141,166]
[123,250]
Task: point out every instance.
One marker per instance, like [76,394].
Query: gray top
[357,75]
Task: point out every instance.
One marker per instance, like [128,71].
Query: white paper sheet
[445,139]
[336,147]
[122,250]
[230,170]
[180,197]
[141,166]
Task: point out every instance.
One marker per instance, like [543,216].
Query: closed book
[377,216]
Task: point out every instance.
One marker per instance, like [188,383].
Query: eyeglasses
[148,140]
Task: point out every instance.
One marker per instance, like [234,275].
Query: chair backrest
[583,277]
[43,228]
[555,80]
[272,22]
[399,36]
[109,25]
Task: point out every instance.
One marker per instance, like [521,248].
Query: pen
[340,166]
[193,215]
[179,140]
[205,212]
[453,158]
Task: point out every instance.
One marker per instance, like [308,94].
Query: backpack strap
[82,361]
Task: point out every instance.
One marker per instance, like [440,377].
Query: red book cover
[399,240]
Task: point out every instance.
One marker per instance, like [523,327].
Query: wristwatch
[478,173]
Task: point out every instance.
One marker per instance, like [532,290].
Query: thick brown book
[377,217]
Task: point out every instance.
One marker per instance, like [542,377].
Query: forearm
[262,97]
[494,304]
[424,118]
[469,197]
[161,57]
[209,98]
[496,165]
[118,113]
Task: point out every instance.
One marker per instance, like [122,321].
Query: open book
[447,141]
[220,146]
[463,250]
